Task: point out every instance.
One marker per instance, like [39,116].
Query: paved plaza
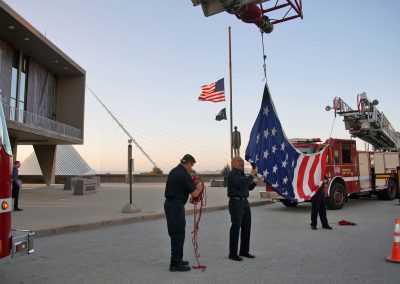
[52,210]
[286,250]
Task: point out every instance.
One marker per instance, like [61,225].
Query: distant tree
[192,171]
[155,171]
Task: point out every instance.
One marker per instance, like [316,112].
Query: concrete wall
[70,101]
[118,178]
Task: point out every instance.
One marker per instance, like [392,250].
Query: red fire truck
[12,242]
[356,173]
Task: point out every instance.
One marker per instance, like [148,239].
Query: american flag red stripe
[313,167]
[311,175]
[300,177]
[214,92]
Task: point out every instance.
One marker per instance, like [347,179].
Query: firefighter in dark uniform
[179,186]
[238,190]
[318,203]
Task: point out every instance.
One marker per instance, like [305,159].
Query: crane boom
[368,123]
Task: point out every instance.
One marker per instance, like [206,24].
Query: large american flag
[214,92]
[292,174]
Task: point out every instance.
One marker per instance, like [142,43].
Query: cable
[264,56]
[334,119]
[123,128]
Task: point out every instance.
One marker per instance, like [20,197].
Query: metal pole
[130,169]
[130,207]
[230,87]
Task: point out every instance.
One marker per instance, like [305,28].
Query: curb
[123,221]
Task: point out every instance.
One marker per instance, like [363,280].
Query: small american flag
[292,174]
[213,92]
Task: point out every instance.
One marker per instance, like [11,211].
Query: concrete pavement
[51,210]
[286,250]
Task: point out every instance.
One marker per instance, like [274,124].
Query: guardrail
[43,123]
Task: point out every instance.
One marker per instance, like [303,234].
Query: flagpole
[230,87]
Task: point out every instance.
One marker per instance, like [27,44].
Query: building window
[19,86]
[14,84]
[23,82]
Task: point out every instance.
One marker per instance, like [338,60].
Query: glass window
[14,82]
[328,157]
[23,89]
[336,156]
[346,154]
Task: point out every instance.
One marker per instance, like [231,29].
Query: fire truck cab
[12,242]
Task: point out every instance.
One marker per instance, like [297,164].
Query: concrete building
[42,91]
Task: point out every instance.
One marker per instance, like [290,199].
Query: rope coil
[198,202]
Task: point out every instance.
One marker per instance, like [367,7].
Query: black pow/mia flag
[221,115]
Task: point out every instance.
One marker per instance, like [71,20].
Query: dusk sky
[146,60]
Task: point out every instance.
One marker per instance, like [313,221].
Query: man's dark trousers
[318,206]
[15,194]
[176,222]
[241,221]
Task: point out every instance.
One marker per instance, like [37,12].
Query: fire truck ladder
[368,123]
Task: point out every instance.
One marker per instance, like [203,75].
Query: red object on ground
[346,223]
[198,201]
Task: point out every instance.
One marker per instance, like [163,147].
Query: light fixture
[55,61]
[11,28]
[4,205]
[26,38]
[65,68]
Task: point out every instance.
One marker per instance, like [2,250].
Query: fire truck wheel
[288,203]
[390,193]
[337,196]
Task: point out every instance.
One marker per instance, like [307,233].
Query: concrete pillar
[46,156]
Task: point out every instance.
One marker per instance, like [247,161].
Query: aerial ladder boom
[368,123]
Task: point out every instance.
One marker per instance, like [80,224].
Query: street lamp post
[130,207]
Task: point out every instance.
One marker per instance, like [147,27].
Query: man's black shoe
[184,262]
[327,227]
[18,209]
[247,255]
[180,268]
[313,227]
[235,258]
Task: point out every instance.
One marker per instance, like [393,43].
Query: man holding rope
[239,208]
[179,186]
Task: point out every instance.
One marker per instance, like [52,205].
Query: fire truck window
[336,157]
[346,154]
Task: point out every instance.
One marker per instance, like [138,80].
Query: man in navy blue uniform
[16,185]
[318,205]
[179,186]
[238,190]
